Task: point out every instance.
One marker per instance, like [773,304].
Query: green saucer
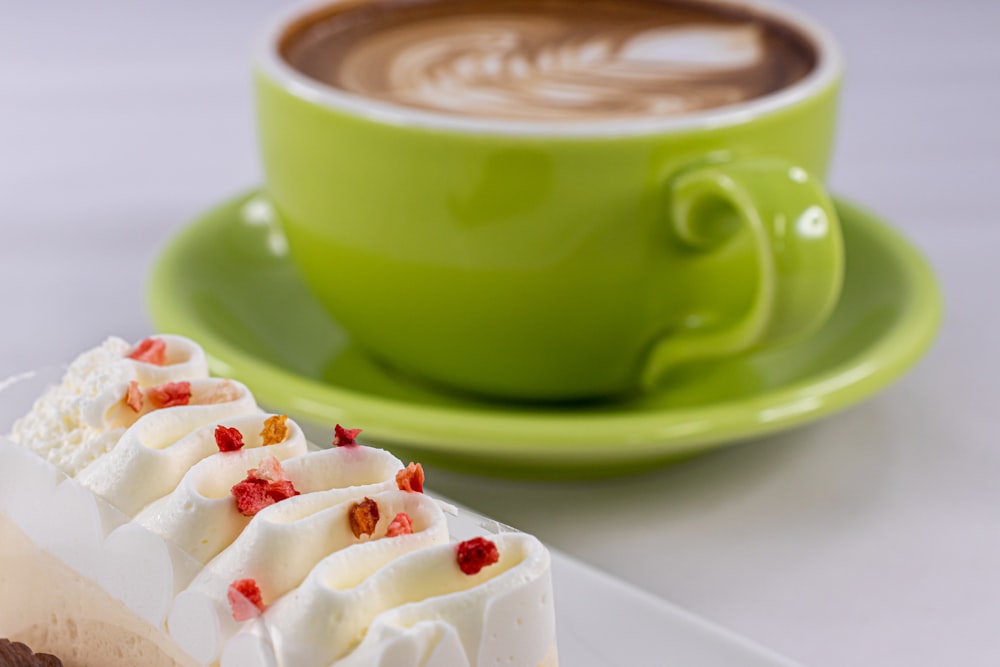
[227,282]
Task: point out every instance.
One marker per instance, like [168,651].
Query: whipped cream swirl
[143,503]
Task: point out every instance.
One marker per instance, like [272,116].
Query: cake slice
[158,517]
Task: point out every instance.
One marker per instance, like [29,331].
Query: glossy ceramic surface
[556,265]
[227,281]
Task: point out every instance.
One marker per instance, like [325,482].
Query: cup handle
[797,240]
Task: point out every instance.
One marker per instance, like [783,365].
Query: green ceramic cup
[544,262]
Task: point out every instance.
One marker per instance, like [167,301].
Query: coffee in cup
[554,60]
[554,199]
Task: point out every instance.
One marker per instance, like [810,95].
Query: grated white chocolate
[80,420]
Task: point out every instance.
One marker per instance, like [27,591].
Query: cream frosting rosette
[236,543]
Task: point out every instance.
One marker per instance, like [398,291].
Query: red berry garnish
[170,394]
[345,437]
[363,516]
[263,486]
[228,439]
[475,554]
[281,490]
[133,396]
[251,496]
[400,525]
[269,469]
[411,478]
[245,599]
[150,351]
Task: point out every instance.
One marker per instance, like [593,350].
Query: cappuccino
[549,60]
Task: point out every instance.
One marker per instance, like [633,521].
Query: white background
[869,539]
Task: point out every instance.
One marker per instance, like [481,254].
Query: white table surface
[871,538]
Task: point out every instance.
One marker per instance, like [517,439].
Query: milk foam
[487,69]
[551,61]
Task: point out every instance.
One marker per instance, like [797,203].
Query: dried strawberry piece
[411,478]
[275,430]
[363,516]
[281,490]
[400,525]
[263,486]
[228,439]
[169,394]
[150,351]
[251,496]
[345,437]
[245,599]
[269,470]
[133,396]
[475,554]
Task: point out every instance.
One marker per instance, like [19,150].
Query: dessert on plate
[156,516]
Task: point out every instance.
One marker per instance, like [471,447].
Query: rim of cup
[829,65]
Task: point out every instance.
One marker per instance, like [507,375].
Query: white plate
[601,621]
[604,622]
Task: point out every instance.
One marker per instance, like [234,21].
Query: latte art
[527,69]
[561,60]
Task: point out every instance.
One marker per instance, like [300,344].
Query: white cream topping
[280,552]
[79,421]
[151,457]
[413,593]
[204,498]
[333,597]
